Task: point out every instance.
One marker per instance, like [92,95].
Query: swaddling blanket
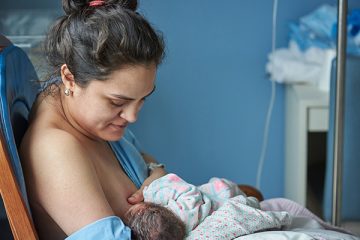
[191,203]
[212,205]
[238,217]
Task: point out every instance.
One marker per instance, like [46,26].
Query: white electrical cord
[271,104]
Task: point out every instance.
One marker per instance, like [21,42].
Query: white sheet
[299,234]
[276,235]
[300,229]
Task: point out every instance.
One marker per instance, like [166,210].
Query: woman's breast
[116,185]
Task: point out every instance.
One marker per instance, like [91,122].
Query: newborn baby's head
[149,221]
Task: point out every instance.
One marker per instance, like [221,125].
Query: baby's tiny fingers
[136,198]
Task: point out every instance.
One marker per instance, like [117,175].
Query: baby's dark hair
[155,222]
[94,41]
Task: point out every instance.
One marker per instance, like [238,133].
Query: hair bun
[71,6]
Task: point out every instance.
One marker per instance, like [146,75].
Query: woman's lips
[122,126]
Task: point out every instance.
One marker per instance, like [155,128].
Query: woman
[105,57]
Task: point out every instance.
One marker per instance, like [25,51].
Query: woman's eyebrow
[129,98]
[122,97]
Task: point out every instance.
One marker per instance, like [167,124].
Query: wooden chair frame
[18,214]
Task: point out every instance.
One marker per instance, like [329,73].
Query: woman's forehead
[136,80]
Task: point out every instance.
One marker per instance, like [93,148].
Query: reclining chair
[18,91]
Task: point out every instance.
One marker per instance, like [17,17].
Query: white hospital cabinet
[307,115]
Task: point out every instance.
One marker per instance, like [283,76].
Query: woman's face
[103,109]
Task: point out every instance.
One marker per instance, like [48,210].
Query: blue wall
[207,116]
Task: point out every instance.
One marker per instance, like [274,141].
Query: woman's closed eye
[115,103]
[118,103]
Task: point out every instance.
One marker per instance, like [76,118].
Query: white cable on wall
[271,104]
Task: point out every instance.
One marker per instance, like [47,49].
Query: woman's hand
[138,196]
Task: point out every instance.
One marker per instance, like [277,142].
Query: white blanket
[237,217]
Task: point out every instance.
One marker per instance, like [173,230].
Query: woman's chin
[110,133]
[113,135]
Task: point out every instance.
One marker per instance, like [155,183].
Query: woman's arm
[153,175]
[251,191]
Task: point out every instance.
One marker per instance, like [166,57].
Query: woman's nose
[129,113]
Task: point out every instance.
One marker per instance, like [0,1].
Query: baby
[173,207]
[150,221]
[217,209]
[192,204]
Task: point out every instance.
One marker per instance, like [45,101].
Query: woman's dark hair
[94,41]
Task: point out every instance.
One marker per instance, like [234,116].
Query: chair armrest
[250,191]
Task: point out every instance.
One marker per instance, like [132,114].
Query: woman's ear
[67,78]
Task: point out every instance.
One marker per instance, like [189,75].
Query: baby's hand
[138,196]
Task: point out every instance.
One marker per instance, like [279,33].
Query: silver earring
[67,92]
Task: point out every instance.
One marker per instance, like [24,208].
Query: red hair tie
[95,3]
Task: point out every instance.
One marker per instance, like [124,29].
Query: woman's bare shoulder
[47,142]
